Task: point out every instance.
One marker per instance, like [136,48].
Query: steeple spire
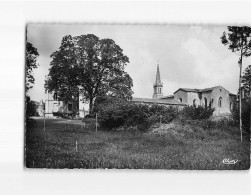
[158,85]
[158,81]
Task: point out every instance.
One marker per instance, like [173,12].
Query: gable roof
[197,90]
[158,101]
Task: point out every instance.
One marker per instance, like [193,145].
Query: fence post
[96,123]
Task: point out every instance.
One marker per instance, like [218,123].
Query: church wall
[208,96]
[218,93]
[191,96]
[181,94]
[232,99]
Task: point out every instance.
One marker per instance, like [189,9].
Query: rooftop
[197,90]
[158,101]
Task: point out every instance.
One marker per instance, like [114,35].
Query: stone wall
[191,97]
[181,94]
[222,93]
[206,98]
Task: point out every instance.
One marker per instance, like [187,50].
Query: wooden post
[240,93]
[44,121]
[96,123]
[76,146]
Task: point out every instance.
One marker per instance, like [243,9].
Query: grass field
[56,148]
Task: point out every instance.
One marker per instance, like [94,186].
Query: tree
[91,67]
[238,41]
[246,81]
[31,109]
[31,63]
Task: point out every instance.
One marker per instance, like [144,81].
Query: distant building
[56,107]
[215,97]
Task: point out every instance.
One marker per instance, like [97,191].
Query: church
[215,97]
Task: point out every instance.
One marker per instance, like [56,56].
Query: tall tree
[93,66]
[246,81]
[31,63]
[238,41]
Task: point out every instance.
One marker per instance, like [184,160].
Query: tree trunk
[90,106]
[240,92]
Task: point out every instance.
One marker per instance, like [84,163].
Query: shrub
[31,107]
[117,112]
[194,113]
[246,109]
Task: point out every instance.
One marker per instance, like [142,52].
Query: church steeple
[157,86]
[158,81]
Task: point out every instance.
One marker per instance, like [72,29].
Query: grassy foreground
[56,148]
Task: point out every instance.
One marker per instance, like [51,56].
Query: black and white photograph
[103,96]
[125,97]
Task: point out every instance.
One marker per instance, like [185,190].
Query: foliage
[31,107]
[200,112]
[237,40]
[90,66]
[31,110]
[246,80]
[31,63]
[208,124]
[246,110]
[117,112]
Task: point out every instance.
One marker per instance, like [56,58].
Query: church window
[220,102]
[205,99]
[194,103]
[231,105]
[180,99]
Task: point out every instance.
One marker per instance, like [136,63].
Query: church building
[215,97]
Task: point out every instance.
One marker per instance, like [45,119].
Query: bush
[197,113]
[207,124]
[31,107]
[246,109]
[114,113]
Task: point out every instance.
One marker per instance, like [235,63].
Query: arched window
[205,99]
[194,103]
[211,104]
[220,102]
[180,99]
[231,105]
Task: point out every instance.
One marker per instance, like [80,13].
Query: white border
[14,179]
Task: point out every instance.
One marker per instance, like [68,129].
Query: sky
[189,56]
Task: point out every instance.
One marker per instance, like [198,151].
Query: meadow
[67,144]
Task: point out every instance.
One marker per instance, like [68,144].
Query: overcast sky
[188,56]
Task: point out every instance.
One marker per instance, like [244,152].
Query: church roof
[166,97]
[158,101]
[197,90]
